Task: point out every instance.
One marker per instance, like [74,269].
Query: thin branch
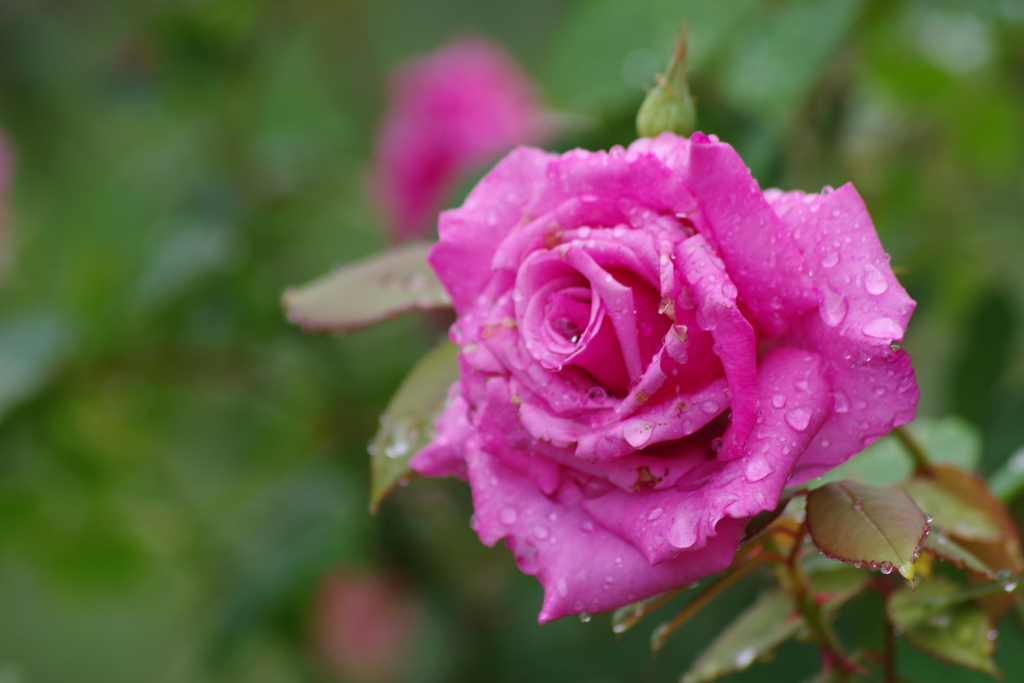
[707,595]
[922,463]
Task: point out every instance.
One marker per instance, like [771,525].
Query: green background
[179,467]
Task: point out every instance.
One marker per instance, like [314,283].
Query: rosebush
[652,347]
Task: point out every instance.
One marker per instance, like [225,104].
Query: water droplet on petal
[883,328]
[561,587]
[779,400]
[540,532]
[637,433]
[584,617]
[709,407]
[684,535]
[508,516]
[874,281]
[716,444]
[830,260]
[654,514]
[842,401]
[833,308]
[798,418]
[568,329]
[597,393]
[758,468]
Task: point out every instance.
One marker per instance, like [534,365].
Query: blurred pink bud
[364,626]
[449,112]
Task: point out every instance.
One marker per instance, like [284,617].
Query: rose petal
[462,258]
[673,150]
[862,309]
[715,296]
[581,567]
[873,393]
[443,456]
[620,302]
[661,523]
[857,291]
[496,421]
[674,417]
[617,175]
[759,255]
[657,467]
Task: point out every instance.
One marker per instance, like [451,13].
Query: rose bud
[652,347]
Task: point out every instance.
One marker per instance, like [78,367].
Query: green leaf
[880,527]
[1007,482]
[959,633]
[949,550]
[368,291]
[771,621]
[758,630]
[970,515]
[408,423]
[32,344]
[948,440]
[951,511]
[837,585]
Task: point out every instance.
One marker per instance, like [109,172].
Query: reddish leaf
[860,524]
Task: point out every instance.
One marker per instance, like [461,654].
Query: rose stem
[922,463]
[889,662]
[824,636]
[711,592]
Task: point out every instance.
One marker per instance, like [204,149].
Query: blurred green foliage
[179,467]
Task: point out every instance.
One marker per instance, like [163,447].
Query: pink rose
[450,112]
[651,348]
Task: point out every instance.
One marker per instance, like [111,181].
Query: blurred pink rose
[651,348]
[364,626]
[450,111]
